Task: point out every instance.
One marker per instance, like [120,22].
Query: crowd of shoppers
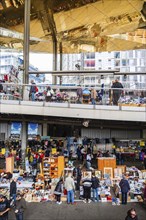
[114,95]
[16,203]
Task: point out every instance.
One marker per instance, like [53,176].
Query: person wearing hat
[4,208]
[20,207]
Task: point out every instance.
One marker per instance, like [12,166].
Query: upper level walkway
[87,111]
[64,102]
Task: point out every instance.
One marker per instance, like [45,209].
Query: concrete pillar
[144,134]
[40,129]
[72,130]
[24,141]
[45,129]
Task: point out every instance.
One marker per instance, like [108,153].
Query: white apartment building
[123,61]
[11,63]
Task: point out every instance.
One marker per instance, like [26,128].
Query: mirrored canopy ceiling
[80,25]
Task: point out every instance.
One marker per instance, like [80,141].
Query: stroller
[40,96]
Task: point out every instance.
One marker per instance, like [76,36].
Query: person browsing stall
[13,189]
[70,187]
[20,207]
[87,183]
[125,188]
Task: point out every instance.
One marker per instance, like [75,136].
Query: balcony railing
[66,94]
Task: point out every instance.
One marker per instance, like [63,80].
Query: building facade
[123,61]
[11,69]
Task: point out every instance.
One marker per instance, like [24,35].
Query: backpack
[36,89]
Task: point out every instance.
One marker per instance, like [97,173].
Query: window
[92,79]
[117,55]
[141,69]
[117,62]
[90,63]
[118,69]
[124,62]
[132,62]
[90,56]
[143,62]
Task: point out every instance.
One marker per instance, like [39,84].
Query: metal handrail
[70,87]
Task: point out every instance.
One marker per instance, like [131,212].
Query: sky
[42,61]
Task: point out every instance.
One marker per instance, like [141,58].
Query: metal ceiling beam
[40,9]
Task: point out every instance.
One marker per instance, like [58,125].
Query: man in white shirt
[70,187]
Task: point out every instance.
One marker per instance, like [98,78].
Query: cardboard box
[104,199]
[102,195]
[63,198]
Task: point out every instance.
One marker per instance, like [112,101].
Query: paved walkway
[80,211]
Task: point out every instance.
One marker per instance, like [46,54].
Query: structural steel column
[26,68]
[60,50]
[26,40]
[54,80]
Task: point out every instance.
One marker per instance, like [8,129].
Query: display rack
[103,162]
[53,167]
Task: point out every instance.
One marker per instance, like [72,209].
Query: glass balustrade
[73,94]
